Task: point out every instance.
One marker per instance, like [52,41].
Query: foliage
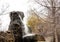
[35,23]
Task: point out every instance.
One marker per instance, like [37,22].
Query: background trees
[52,9]
[35,23]
[3,11]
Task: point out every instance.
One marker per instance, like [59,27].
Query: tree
[16,25]
[35,22]
[53,11]
[3,11]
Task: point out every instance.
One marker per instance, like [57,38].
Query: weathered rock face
[2,39]
[34,38]
[16,25]
[14,34]
[29,39]
[7,36]
[39,38]
[2,36]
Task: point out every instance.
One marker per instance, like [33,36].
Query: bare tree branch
[48,1]
[44,5]
[58,8]
[4,9]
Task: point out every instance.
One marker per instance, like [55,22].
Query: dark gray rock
[16,25]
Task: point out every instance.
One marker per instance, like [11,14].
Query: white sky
[17,5]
